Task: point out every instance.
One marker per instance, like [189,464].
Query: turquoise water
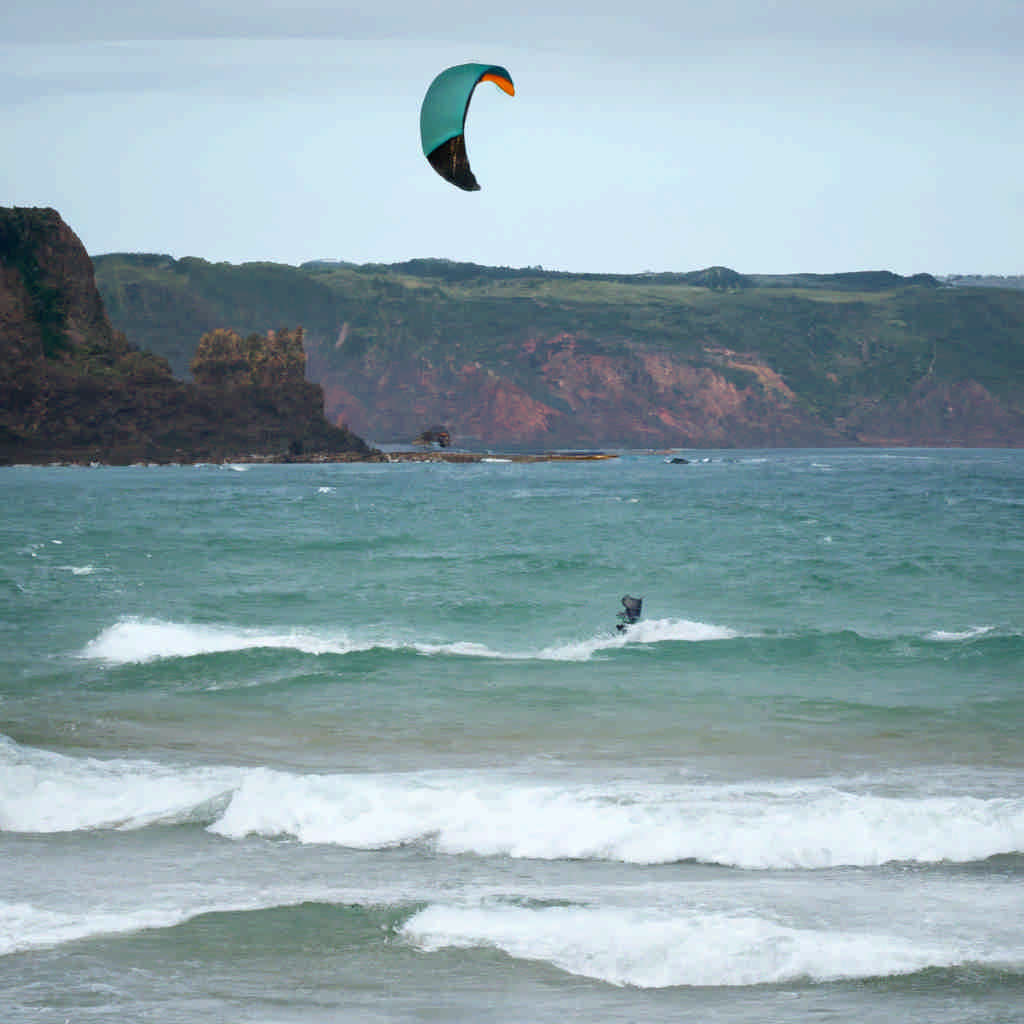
[361,742]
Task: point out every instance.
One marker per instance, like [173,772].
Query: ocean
[361,742]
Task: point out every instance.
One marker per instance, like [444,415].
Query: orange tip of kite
[502,83]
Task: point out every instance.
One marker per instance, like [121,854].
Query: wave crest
[138,641]
[770,825]
[659,949]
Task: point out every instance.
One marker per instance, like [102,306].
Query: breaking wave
[770,825]
[955,636]
[134,640]
[138,640]
[650,948]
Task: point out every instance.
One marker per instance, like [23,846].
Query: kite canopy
[443,119]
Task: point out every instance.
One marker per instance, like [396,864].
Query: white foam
[138,640]
[23,926]
[654,631]
[780,826]
[45,792]
[465,649]
[135,640]
[943,636]
[656,948]
[647,631]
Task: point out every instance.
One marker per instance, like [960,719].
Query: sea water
[354,742]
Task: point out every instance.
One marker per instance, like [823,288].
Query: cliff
[525,358]
[74,389]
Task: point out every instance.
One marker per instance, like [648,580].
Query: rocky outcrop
[49,304]
[74,389]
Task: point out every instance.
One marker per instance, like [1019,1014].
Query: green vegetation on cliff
[526,356]
[167,305]
[22,242]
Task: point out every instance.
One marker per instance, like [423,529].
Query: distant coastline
[325,458]
[536,360]
[448,456]
[546,366]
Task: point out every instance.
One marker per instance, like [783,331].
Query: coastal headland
[74,390]
[548,366]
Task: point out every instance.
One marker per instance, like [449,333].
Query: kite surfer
[630,613]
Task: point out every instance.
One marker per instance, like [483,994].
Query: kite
[443,119]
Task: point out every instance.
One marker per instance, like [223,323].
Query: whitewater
[362,743]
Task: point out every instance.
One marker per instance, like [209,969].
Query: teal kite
[443,119]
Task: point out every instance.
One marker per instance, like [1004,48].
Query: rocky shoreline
[323,458]
[448,456]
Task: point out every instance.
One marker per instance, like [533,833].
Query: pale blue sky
[802,135]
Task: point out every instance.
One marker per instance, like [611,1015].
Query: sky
[769,136]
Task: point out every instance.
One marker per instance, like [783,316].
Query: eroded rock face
[576,396]
[48,296]
[963,413]
[564,391]
[74,389]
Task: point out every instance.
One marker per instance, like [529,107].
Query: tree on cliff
[224,359]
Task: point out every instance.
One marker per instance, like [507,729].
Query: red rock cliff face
[562,391]
[962,414]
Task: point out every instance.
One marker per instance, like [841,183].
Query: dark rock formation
[434,435]
[74,389]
